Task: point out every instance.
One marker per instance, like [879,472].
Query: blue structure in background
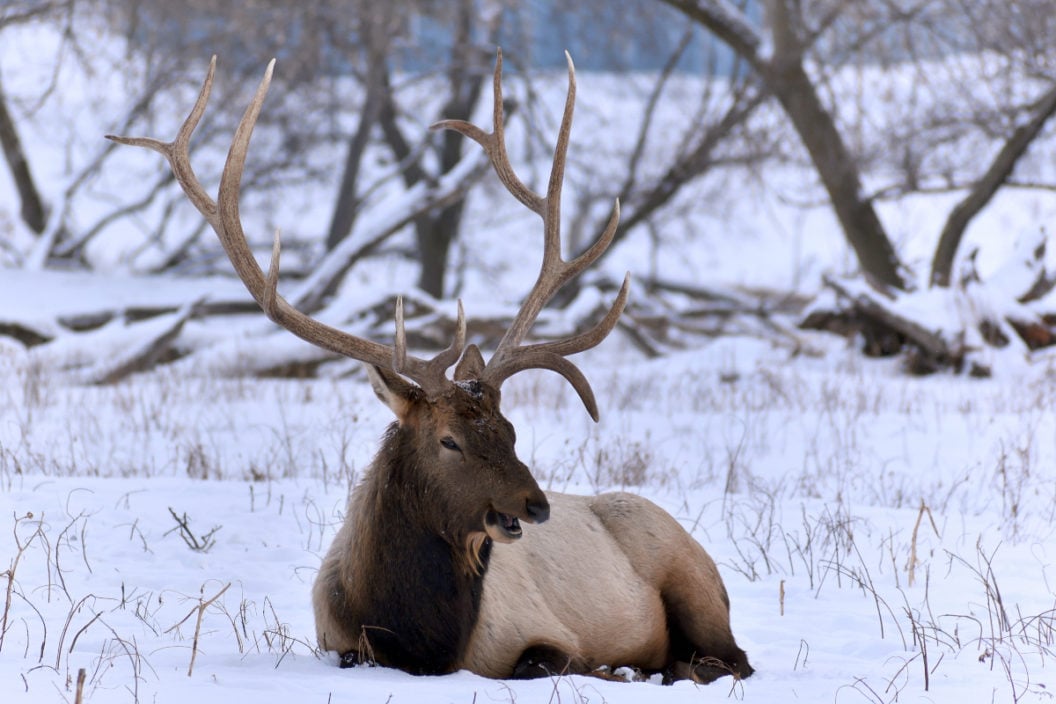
[638,35]
[632,35]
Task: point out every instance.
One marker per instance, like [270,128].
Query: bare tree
[474,32]
[784,72]
[32,210]
[366,41]
[798,50]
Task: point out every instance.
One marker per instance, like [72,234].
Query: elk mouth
[502,527]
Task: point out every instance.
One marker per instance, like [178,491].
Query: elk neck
[419,576]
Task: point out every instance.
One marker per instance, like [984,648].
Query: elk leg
[701,671]
[545,661]
[702,647]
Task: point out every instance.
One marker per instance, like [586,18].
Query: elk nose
[538,509]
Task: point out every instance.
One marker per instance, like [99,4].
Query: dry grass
[59,621]
[813,485]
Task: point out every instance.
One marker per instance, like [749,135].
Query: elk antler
[224,217]
[510,356]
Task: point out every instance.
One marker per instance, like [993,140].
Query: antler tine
[233,238]
[177,152]
[551,355]
[494,144]
[510,357]
[438,365]
[552,218]
[448,357]
[224,217]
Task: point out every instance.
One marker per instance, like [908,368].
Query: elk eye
[450,444]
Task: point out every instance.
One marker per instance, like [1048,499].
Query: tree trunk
[378,89]
[985,188]
[785,76]
[466,78]
[33,212]
[838,172]
[436,231]
[435,235]
[347,206]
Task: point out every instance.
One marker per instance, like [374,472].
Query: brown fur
[415,579]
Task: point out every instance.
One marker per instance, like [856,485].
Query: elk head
[469,482]
[448,430]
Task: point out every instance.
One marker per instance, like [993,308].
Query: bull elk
[432,571]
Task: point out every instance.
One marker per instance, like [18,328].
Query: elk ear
[394,391]
[471,366]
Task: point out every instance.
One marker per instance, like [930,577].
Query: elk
[431,571]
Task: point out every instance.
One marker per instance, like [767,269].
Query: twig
[202,606]
[65,629]
[202,543]
[911,566]
[804,651]
[10,572]
[81,675]
[85,627]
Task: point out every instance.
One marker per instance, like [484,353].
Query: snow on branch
[964,327]
[114,351]
[393,215]
[727,22]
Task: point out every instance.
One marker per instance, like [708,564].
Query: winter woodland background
[835,368]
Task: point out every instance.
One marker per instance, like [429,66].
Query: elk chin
[502,527]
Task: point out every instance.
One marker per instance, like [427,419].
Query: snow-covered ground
[883,538]
[804,480]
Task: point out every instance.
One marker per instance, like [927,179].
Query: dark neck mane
[417,592]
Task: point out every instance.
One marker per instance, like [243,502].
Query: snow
[45,295]
[805,479]
[801,479]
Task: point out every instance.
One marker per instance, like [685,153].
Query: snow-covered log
[960,327]
[114,351]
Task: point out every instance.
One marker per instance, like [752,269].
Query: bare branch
[987,185]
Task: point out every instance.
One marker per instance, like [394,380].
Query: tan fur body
[599,582]
[593,582]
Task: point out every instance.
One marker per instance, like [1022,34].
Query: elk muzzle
[505,526]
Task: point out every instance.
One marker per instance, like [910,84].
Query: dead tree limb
[987,185]
[33,212]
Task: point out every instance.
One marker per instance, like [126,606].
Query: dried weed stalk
[199,609]
[198,543]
